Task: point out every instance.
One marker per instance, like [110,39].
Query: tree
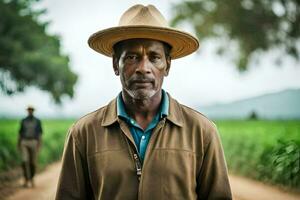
[251,27]
[29,56]
[253,115]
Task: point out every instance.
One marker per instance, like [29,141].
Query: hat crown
[139,15]
[144,22]
[30,107]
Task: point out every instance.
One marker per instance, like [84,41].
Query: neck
[142,110]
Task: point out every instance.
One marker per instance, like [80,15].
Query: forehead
[139,44]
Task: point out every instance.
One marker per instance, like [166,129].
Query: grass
[53,138]
[264,150]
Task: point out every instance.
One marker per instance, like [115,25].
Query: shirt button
[131,121]
[143,137]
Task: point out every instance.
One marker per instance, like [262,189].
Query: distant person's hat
[143,22]
[30,108]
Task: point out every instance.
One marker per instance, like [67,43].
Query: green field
[264,150]
[53,138]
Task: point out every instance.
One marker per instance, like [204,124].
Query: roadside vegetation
[263,150]
[53,138]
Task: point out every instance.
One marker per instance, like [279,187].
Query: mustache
[143,79]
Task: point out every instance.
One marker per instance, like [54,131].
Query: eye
[155,58]
[131,58]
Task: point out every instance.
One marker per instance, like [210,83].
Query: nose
[144,66]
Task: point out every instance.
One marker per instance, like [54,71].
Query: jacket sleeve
[212,182]
[21,130]
[73,181]
[39,128]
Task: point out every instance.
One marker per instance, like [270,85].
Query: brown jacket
[184,159]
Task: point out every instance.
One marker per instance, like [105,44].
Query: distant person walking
[29,143]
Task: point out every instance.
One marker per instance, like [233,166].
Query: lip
[142,83]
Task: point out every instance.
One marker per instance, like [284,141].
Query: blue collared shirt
[141,137]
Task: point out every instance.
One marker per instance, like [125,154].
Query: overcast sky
[196,80]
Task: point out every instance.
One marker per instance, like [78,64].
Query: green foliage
[52,142]
[264,150]
[282,163]
[251,26]
[29,56]
[8,142]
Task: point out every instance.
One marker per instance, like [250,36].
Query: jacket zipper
[136,158]
[138,166]
[133,152]
[137,162]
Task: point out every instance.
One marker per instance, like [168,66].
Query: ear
[168,59]
[116,65]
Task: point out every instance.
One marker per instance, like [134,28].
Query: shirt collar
[121,107]
[174,112]
[163,110]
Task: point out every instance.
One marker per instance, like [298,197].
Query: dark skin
[142,65]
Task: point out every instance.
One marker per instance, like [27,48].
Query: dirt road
[243,189]
[45,186]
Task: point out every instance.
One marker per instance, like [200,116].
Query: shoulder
[37,119]
[190,117]
[92,121]
[201,126]
[88,127]
[197,117]
[195,122]
[25,119]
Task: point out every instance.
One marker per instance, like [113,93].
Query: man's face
[30,112]
[142,65]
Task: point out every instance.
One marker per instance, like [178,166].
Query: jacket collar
[110,113]
[175,113]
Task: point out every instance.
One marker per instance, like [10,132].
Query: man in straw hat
[143,144]
[29,142]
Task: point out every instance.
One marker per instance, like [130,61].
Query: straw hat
[30,107]
[143,22]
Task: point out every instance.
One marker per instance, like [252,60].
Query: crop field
[263,150]
[54,132]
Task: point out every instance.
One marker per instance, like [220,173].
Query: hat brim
[182,43]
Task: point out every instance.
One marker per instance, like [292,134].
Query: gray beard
[141,94]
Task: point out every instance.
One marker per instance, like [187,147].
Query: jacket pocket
[112,175]
[177,174]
